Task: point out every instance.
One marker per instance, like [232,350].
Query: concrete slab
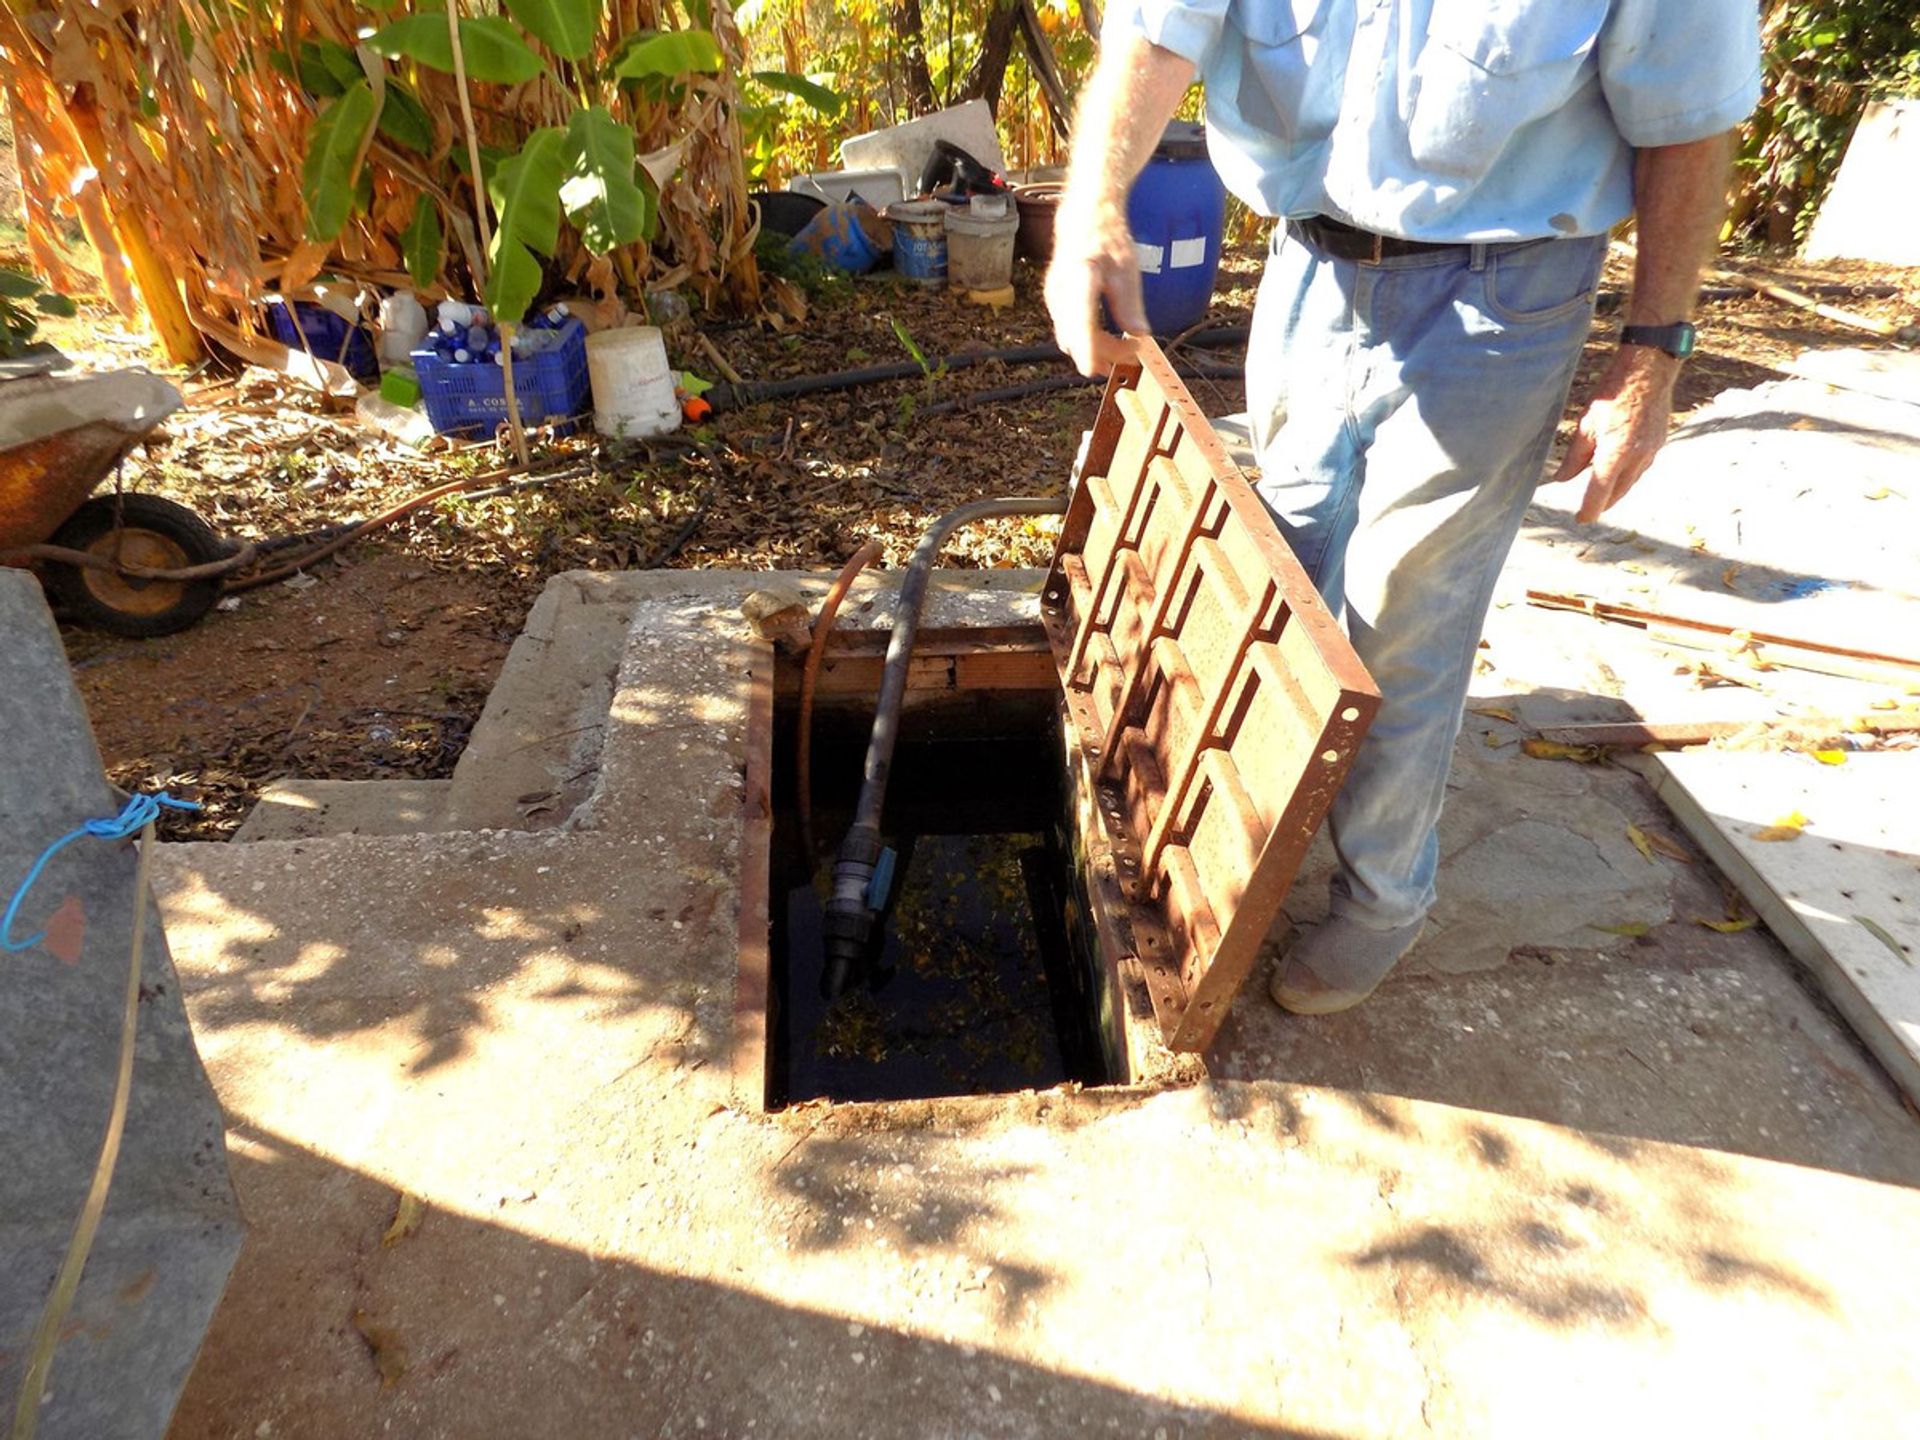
[296,809]
[1889,374]
[171,1228]
[1838,882]
[530,1032]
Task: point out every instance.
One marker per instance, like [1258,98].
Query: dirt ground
[377,660]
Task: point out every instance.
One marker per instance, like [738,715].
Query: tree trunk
[1089,12]
[915,79]
[988,77]
[1046,70]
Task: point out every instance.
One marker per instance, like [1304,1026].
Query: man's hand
[1623,427]
[1094,260]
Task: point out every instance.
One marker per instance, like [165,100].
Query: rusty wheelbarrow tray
[135,564]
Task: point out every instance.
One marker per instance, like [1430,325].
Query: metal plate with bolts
[1214,700]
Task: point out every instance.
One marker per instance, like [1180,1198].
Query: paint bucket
[1037,204]
[980,243]
[632,384]
[920,240]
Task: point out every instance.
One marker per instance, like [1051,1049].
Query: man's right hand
[1094,260]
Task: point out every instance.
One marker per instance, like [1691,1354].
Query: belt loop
[1479,260]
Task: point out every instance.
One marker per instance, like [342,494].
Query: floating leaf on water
[1787,827]
[1879,932]
[407,1216]
[1728,927]
[1634,930]
[1640,842]
[1555,750]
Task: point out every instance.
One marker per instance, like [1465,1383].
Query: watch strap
[1676,340]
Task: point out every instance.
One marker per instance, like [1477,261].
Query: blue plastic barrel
[1178,214]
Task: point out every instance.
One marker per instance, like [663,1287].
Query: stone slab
[171,1228]
[1844,895]
[1529,1199]
[301,809]
[1873,210]
[1888,374]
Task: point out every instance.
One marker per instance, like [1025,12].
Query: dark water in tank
[981,980]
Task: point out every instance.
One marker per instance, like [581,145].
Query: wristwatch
[1676,340]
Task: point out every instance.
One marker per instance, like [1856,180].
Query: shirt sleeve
[1189,28]
[1679,70]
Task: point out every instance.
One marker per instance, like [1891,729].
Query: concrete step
[304,809]
[534,755]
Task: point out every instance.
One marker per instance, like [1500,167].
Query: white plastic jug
[403,327]
[632,386]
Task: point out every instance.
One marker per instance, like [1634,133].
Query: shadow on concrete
[487,1329]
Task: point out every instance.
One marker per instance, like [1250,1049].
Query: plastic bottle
[397,422]
[403,327]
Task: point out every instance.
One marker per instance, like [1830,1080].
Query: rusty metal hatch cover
[1214,700]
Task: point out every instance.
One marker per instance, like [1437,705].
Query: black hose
[852,909]
[753,392]
[1047,384]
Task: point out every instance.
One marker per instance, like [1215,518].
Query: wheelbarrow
[132,564]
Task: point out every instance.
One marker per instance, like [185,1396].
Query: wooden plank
[1844,897]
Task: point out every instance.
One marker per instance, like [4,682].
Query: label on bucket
[1188,253]
[1149,256]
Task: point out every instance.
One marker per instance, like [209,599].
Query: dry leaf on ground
[1829,757]
[390,1355]
[1555,750]
[1787,827]
[1879,932]
[1640,842]
[407,1216]
[1668,846]
[1634,930]
[1728,927]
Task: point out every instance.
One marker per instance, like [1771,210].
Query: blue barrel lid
[1182,140]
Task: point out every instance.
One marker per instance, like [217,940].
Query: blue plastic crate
[471,399]
[326,333]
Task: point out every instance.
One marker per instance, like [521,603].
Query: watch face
[1680,341]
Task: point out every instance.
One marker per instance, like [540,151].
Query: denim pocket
[1543,283]
[1487,69]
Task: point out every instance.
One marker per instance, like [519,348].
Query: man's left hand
[1623,428]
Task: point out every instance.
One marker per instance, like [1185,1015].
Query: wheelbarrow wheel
[138,530]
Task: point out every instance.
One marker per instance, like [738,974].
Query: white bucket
[632,386]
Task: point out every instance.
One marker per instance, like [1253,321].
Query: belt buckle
[1379,246]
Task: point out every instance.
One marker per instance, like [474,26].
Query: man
[1447,171]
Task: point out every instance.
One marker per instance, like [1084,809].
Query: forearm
[1679,196]
[1134,92]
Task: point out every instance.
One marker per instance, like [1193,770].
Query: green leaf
[492,48]
[18,285]
[404,120]
[514,282]
[526,192]
[567,27]
[327,179]
[671,53]
[906,339]
[601,197]
[421,242]
[50,303]
[828,102]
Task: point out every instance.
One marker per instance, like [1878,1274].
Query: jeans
[1402,413]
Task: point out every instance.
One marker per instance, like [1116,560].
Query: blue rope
[139,812]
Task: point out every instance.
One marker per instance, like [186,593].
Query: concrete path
[1555,1180]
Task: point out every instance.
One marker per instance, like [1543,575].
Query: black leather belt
[1347,242]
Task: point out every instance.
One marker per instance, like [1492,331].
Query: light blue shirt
[1455,120]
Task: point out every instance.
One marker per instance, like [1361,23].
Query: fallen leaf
[1555,750]
[1878,931]
[1829,757]
[1883,705]
[1882,493]
[1495,712]
[1632,568]
[390,1355]
[1641,842]
[1805,422]
[1668,847]
[1787,827]
[1728,927]
[1636,929]
[406,1219]
[1726,575]
[1493,740]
